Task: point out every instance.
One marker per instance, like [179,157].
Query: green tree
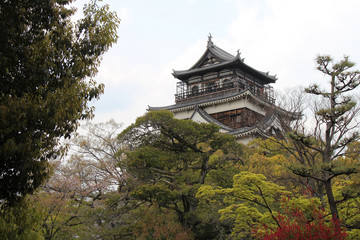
[172,158]
[335,126]
[21,222]
[256,205]
[318,152]
[251,201]
[47,65]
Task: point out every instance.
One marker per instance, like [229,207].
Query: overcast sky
[279,36]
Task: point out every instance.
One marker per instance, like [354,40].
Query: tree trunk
[328,151]
[204,169]
[331,200]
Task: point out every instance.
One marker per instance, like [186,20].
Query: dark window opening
[194,90]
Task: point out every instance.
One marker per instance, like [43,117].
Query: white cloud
[280,36]
[285,36]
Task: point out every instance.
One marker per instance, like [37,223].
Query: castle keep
[221,89]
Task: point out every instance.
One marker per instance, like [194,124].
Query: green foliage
[172,158]
[337,119]
[46,67]
[249,203]
[253,202]
[316,153]
[21,222]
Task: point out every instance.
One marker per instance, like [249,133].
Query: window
[210,86]
[194,90]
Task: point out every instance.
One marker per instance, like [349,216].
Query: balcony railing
[184,93]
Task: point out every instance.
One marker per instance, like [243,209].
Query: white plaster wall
[222,107]
[184,114]
[198,118]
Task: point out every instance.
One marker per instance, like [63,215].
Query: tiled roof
[225,60]
[220,53]
[209,101]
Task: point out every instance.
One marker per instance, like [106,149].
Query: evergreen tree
[47,64]
[172,158]
[318,152]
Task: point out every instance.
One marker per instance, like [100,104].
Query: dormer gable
[213,55]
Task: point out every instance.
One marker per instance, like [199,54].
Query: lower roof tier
[214,111]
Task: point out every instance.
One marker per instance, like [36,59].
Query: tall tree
[317,152]
[47,64]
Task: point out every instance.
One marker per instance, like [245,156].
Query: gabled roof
[215,52]
[259,128]
[215,59]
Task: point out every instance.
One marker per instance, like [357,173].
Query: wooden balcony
[214,91]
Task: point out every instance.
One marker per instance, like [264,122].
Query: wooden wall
[238,118]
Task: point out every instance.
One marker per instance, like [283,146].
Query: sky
[156,36]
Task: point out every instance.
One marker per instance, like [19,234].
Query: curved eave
[192,105]
[235,62]
[261,75]
[245,133]
[186,74]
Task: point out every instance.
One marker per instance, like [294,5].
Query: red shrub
[295,226]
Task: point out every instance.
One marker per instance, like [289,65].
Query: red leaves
[295,225]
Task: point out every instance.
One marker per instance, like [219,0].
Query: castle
[221,89]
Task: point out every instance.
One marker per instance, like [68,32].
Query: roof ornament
[238,53]
[210,43]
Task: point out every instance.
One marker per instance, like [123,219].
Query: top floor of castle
[218,73]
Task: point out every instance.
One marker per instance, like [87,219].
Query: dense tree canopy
[46,67]
[172,158]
